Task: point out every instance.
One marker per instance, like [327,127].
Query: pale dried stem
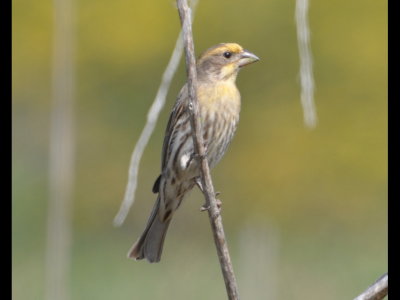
[152,117]
[306,64]
[61,154]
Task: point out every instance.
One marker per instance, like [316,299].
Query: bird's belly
[216,137]
[217,145]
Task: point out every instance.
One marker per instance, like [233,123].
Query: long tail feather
[150,243]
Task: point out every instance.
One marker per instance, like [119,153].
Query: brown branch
[377,291]
[208,189]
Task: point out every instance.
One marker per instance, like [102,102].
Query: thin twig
[152,118]
[376,291]
[208,189]
[61,154]
[306,64]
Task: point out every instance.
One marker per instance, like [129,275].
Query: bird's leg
[205,206]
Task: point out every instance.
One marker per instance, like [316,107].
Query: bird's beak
[247,58]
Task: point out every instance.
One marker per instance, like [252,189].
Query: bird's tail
[150,243]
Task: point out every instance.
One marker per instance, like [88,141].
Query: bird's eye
[227,54]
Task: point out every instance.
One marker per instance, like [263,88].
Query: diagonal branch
[376,291]
[152,118]
[208,189]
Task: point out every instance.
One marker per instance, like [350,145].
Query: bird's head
[223,61]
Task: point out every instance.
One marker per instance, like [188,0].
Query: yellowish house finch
[219,107]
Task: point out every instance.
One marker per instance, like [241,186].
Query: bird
[219,107]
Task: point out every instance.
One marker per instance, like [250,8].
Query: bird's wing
[178,110]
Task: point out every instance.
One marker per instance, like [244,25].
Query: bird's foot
[207,207]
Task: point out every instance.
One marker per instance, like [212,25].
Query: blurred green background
[305,211]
